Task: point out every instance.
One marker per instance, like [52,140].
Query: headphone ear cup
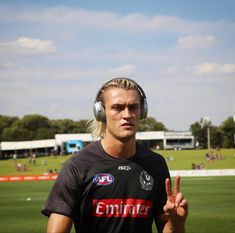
[98,110]
[144,109]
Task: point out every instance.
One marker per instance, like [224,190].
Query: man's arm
[165,225]
[176,210]
[58,223]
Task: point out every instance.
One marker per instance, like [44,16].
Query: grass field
[211,199]
[182,161]
[211,205]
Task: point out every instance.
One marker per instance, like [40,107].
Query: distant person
[14,157]
[115,185]
[193,166]
[34,158]
[208,157]
[30,158]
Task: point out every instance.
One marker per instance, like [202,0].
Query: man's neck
[119,149]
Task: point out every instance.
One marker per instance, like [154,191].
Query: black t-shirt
[107,195]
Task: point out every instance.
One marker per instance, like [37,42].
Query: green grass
[8,167]
[182,161]
[210,199]
[211,204]
[19,215]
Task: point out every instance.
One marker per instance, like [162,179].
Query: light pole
[208,137]
[206,123]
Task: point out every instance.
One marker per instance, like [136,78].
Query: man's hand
[176,208]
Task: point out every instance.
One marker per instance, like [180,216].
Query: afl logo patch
[103,179]
[146,181]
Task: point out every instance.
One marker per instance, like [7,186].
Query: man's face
[122,109]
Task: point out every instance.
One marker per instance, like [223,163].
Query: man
[115,185]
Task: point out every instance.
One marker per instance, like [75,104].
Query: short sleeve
[65,195]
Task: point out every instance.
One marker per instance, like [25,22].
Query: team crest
[146,181]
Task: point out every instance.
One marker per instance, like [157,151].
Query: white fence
[209,172]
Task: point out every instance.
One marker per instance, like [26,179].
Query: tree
[34,123]
[30,127]
[15,133]
[216,137]
[44,133]
[6,122]
[69,126]
[82,126]
[199,134]
[35,126]
[221,136]
[64,126]
[151,124]
[228,130]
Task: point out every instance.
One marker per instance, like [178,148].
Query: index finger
[177,185]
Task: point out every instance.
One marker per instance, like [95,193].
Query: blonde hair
[97,128]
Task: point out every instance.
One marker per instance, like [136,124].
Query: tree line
[222,136]
[36,127]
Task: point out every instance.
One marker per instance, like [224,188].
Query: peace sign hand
[176,208]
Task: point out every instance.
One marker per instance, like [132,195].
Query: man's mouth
[127,124]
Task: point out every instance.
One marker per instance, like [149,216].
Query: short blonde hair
[97,128]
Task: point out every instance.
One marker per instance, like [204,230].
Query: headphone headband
[138,87]
[98,107]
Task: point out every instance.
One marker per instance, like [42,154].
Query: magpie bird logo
[146,181]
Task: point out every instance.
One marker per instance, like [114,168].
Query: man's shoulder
[88,153]
[154,163]
[145,152]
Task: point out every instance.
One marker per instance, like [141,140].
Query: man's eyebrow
[136,103]
[130,104]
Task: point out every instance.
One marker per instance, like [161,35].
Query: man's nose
[126,112]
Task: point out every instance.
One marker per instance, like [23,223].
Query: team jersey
[103,194]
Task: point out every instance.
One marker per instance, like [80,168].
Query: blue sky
[55,55]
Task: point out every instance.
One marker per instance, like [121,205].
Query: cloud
[125,70]
[215,68]
[30,46]
[7,65]
[77,17]
[196,41]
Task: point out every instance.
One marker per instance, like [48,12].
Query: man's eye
[134,107]
[118,107]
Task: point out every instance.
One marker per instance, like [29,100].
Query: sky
[55,55]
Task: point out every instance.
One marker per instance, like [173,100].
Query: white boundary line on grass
[205,172]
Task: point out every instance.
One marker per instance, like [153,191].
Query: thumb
[168,207]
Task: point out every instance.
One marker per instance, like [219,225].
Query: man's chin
[127,136]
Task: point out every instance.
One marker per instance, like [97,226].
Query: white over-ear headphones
[98,107]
